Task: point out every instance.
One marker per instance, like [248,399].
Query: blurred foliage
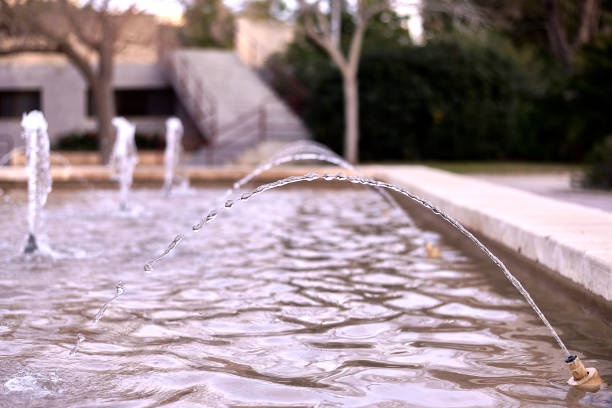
[304,64]
[88,141]
[599,174]
[76,141]
[207,23]
[463,95]
[265,9]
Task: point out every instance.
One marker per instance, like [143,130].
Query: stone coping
[571,240]
[16,176]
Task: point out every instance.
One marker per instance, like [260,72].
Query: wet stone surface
[296,298]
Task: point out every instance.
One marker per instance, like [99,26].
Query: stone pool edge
[570,240]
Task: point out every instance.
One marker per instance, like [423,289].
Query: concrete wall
[64,93]
[256,40]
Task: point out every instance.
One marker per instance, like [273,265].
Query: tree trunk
[105,111]
[556,32]
[351,118]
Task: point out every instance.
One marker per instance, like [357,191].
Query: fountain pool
[299,298]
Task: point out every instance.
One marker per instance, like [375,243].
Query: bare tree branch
[19,49]
[324,42]
[317,27]
[76,25]
[588,23]
[88,36]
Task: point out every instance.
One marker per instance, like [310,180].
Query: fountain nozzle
[31,245]
[584,378]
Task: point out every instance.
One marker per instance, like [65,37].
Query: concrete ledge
[570,239]
[15,176]
[78,158]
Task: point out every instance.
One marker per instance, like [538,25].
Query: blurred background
[479,86]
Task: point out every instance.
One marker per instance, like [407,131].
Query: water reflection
[298,299]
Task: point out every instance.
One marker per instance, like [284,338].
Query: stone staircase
[231,106]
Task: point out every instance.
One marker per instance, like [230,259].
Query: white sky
[173,9]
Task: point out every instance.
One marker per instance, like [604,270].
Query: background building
[224,104]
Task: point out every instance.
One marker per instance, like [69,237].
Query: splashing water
[79,340]
[172,154]
[124,158]
[390,187]
[119,289]
[38,172]
[171,246]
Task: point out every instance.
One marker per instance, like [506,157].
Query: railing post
[262,123]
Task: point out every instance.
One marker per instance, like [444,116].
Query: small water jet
[124,158]
[38,172]
[174,149]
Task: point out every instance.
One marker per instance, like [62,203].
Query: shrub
[456,97]
[599,174]
[445,100]
[77,141]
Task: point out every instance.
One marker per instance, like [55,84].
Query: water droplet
[197,227]
[119,289]
[211,215]
[328,177]
[354,179]
[311,176]
[80,339]
[229,203]
[341,176]
[246,196]
[148,268]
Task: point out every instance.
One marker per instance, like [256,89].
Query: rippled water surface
[298,298]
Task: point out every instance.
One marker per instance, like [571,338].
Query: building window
[14,103]
[140,102]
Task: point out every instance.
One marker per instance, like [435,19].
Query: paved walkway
[557,186]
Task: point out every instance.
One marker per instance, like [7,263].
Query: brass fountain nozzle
[584,378]
[433,252]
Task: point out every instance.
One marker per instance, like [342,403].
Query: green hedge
[454,98]
[445,100]
[77,141]
[599,174]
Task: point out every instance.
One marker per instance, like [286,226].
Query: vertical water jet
[124,158]
[38,171]
[174,149]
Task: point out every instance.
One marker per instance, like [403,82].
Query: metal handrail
[204,107]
